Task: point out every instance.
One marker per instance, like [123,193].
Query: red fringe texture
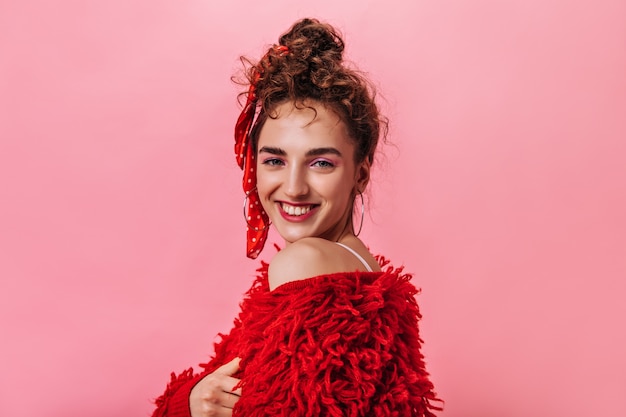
[344,344]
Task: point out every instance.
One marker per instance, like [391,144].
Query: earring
[362,214]
[245,215]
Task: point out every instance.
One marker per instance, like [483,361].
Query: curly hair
[308,65]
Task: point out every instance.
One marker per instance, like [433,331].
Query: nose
[296,185]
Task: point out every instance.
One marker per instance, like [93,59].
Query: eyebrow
[310,152]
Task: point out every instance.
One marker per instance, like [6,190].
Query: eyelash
[318,163]
[273,162]
[326,163]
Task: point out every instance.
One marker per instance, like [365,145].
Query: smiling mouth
[296,210]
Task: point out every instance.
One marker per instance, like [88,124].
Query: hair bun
[309,38]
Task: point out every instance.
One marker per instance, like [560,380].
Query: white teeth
[295,211]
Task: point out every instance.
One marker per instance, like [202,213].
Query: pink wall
[121,237]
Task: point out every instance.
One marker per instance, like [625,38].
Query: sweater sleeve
[174,402]
[338,345]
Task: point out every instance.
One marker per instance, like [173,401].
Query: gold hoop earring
[362,214]
[245,215]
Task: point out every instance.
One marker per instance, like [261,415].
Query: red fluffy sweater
[344,344]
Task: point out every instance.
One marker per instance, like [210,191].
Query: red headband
[257,220]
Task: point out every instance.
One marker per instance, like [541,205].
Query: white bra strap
[359,257]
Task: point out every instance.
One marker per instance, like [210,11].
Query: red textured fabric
[344,344]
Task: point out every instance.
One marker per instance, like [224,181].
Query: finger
[223,397]
[228,383]
[216,402]
[219,401]
[229,368]
[228,400]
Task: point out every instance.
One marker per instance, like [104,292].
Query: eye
[322,163]
[273,162]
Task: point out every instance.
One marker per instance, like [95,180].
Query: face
[306,174]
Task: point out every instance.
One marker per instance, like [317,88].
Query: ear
[362,175]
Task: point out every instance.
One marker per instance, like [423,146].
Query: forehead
[311,124]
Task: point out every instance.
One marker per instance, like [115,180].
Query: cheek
[264,194]
[261,188]
[264,184]
[338,192]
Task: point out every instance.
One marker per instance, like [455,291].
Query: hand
[213,396]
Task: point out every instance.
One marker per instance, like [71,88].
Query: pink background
[121,233]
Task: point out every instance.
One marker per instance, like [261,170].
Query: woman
[326,329]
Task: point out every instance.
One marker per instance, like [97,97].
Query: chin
[294,235]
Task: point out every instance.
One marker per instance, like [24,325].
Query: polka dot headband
[256,218]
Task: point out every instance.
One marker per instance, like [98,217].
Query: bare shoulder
[306,258]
